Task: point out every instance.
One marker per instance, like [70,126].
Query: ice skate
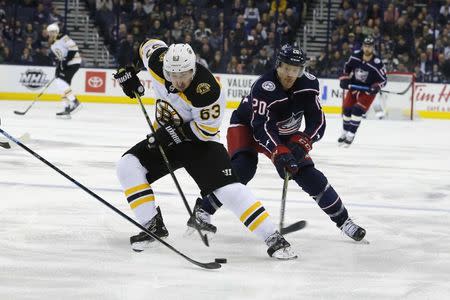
[341,139]
[353,231]
[143,240]
[69,110]
[349,137]
[279,248]
[200,220]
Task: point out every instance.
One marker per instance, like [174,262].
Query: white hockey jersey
[61,48]
[202,104]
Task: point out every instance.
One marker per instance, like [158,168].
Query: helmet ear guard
[179,58]
[369,41]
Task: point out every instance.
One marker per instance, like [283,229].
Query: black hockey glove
[166,136]
[129,81]
[283,159]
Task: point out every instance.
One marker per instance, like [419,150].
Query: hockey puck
[221,260]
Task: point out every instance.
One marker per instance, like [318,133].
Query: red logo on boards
[95,82]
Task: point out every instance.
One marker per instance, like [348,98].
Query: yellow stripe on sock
[258,221]
[140,201]
[137,188]
[249,211]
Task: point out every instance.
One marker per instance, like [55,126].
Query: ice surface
[57,242]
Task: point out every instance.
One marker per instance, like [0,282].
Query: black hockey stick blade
[293,227]
[20,112]
[5,145]
[209,265]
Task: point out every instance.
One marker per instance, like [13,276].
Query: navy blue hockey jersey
[274,114]
[365,73]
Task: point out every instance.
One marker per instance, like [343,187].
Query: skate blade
[76,109]
[192,231]
[63,117]
[364,242]
[141,246]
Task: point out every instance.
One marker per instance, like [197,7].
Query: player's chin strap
[297,225]
[166,160]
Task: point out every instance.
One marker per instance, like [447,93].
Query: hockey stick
[297,225]
[210,265]
[204,237]
[366,89]
[36,99]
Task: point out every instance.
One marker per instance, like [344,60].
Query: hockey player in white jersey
[68,62]
[189,112]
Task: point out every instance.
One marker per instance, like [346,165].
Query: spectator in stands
[40,16]
[232,67]
[218,64]
[55,17]
[41,57]
[255,67]
[148,6]
[201,60]
[125,53]
[251,14]
[202,31]
[25,58]
[176,32]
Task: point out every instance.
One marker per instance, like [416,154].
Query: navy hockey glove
[344,81]
[283,159]
[129,81]
[374,89]
[300,144]
[167,136]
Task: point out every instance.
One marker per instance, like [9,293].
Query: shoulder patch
[377,60]
[357,51]
[203,88]
[268,86]
[309,76]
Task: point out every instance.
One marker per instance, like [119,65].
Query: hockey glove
[167,136]
[300,145]
[129,81]
[283,159]
[344,81]
[374,89]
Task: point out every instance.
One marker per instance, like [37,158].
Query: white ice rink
[57,242]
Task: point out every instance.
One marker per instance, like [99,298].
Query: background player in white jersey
[68,62]
[189,112]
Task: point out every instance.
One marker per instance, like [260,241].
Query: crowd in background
[410,36]
[232,36]
[241,36]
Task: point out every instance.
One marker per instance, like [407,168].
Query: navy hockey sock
[210,203]
[244,165]
[316,185]
[355,121]
[346,117]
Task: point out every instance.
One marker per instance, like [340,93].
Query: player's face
[288,74]
[368,50]
[52,35]
[181,80]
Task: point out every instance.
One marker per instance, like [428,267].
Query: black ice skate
[143,240]
[341,139]
[200,220]
[70,109]
[352,230]
[279,248]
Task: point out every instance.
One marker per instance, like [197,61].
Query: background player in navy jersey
[364,76]
[268,121]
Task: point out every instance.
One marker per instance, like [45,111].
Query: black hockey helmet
[369,41]
[291,55]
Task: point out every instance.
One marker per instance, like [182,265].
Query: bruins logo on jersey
[161,56]
[166,114]
[203,88]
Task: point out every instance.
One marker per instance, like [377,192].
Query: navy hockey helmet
[291,55]
[369,41]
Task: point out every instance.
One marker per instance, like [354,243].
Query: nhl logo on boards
[268,86]
[33,79]
[203,88]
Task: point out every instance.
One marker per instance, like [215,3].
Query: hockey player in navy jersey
[268,121]
[364,76]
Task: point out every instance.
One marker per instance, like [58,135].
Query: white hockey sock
[64,89]
[139,193]
[239,199]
